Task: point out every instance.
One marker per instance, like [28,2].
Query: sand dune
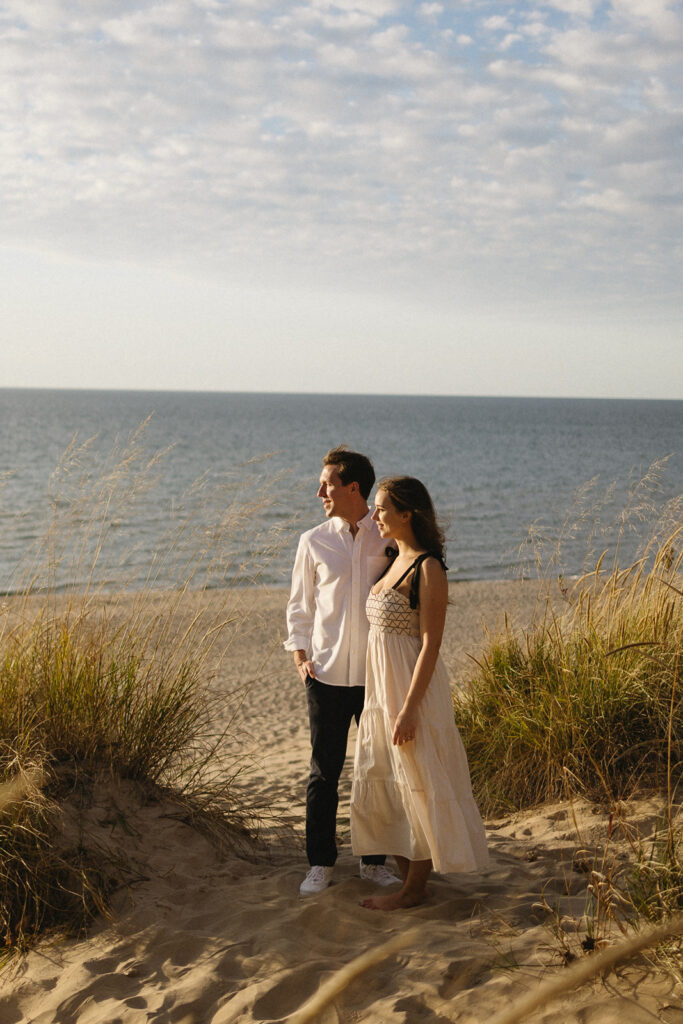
[209,937]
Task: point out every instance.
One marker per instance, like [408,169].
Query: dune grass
[104,674]
[590,703]
[80,698]
[43,884]
[588,700]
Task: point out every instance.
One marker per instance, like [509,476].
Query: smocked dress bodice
[389,611]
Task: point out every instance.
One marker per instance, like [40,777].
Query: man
[336,564]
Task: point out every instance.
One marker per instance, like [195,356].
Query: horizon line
[332,394]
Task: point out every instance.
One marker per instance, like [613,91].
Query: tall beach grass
[108,666]
[588,699]
[590,702]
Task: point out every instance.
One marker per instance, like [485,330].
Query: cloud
[347,142]
[496,23]
[580,8]
[509,41]
[658,16]
[430,11]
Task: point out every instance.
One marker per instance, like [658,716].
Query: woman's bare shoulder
[433,566]
[433,573]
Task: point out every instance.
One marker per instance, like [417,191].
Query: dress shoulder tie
[415,569]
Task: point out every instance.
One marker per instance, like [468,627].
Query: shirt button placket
[355,592]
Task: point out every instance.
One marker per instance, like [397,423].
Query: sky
[364,196]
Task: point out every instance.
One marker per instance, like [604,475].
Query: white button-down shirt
[332,576]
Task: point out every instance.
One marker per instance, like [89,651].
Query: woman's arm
[433,602]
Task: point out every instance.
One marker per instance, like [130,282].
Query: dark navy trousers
[330,710]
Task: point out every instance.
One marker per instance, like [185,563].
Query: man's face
[337,498]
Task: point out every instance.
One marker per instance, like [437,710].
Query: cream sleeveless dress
[413,800]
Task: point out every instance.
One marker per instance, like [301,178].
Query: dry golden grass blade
[24,784]
[107,663]
[583,970]
[343,978]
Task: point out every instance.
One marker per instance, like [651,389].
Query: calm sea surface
[495,466]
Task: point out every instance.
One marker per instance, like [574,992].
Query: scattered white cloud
[611,200]
[659,16]
[510,39]
[533,27]
[496,23]
[578,8]
[430,11]
[426,147]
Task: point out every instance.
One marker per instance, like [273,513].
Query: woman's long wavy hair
[411,495]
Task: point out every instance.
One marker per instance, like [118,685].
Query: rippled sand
[209,938]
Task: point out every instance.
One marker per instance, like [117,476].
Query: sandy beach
[208,936]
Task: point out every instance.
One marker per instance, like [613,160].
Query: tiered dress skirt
[413,800]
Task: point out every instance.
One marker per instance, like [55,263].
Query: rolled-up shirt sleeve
[301,604]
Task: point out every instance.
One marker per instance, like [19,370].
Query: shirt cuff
[297,643]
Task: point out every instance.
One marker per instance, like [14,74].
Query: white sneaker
[378,874]
[317,879]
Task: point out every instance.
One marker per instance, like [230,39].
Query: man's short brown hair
[352,467]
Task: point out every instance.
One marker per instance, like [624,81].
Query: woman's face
[390,522]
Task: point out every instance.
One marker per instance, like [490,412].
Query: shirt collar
[341,525]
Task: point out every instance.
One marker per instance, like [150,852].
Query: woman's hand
[405,728]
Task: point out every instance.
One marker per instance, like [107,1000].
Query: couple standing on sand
[365,620]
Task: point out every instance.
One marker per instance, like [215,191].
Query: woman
[411,791]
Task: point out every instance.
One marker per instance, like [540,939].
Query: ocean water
[495,468]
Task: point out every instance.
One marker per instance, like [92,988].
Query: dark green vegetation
[100,679]
[591,704]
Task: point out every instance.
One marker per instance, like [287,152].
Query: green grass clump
[102,678]
[588,702]
[42,885]
[655,880]
[78,690]
[82,698]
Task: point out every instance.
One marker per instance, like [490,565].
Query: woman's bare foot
[413,891]
[395,900]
